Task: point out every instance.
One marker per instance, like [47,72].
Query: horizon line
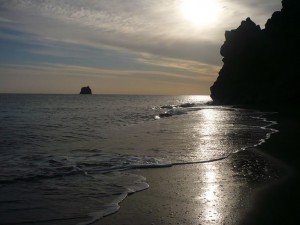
[20,93]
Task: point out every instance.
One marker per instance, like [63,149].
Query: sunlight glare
[200,12]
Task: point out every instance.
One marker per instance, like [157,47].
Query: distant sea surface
[70,158]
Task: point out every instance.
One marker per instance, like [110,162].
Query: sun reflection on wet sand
[211,211]
[214,192]
[218,193]
[225,185]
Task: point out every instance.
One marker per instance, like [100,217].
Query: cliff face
[260,66]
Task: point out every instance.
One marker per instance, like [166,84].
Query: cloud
[59,78]
[117,39]
[73,70]
[155,27]
[192,67]
[3,20]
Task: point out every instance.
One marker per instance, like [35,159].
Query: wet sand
[209,193]
[251,187]
[280,204]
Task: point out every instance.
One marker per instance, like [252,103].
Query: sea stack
[86,91]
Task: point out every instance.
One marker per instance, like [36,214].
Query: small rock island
[86,91]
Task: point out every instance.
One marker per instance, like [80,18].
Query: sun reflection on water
[197,98]
[209,135]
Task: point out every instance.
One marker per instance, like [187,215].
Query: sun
[200,12]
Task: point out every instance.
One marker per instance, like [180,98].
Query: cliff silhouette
[261,65]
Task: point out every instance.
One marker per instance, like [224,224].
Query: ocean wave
[175,110]
[184,108]
[45,174]
[82,164]
[133,163]
[113,207]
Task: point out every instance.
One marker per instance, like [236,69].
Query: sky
[167,47]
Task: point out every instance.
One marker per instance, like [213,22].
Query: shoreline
[177,194]
[280,203]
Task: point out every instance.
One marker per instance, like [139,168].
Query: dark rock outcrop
[261,65]
[86,91]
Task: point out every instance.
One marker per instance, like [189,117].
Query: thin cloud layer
[121,33]
[126,81]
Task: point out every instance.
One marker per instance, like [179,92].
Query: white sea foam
[58,148]
[114,206]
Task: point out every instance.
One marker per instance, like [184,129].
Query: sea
[70,158]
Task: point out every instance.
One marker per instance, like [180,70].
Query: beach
[143,160]
[179,112]
[220,192]
[279,204]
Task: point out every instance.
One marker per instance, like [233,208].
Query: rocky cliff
[261,65]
